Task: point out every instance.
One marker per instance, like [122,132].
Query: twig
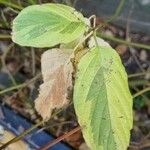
[52,143]
[32,2]
[138,83]
[3,36]
[145,98]
[21,135]
[114,17]
[111,38]
[54,125]
[20,85]
[33,61]
[3,59]
[141,92]
[138,74]
[4,20]
[117,12]
[10,4]
[13,88]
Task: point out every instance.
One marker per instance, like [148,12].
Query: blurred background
[126,28]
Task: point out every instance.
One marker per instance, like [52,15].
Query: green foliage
[102,100]
[139,102]
[47,25]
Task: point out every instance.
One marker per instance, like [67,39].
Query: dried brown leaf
[57,86]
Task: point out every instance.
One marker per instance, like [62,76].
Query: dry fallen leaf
[57,81]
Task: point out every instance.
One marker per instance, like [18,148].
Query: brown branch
[52,143]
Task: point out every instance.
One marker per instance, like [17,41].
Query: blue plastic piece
[15,123]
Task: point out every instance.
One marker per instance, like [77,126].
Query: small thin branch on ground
[145,98]
[139,83]
[33,61]
[4,65]
[21,135]
[10,4]
[141,92]
[5,36]
[114,39]
[52,143]
[117,12]
[114,17]
[54,125]
[138,74]
[20,85]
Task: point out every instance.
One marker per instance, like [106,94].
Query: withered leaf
[57,81]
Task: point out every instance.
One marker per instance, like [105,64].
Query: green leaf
[102,100]
[47,25]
